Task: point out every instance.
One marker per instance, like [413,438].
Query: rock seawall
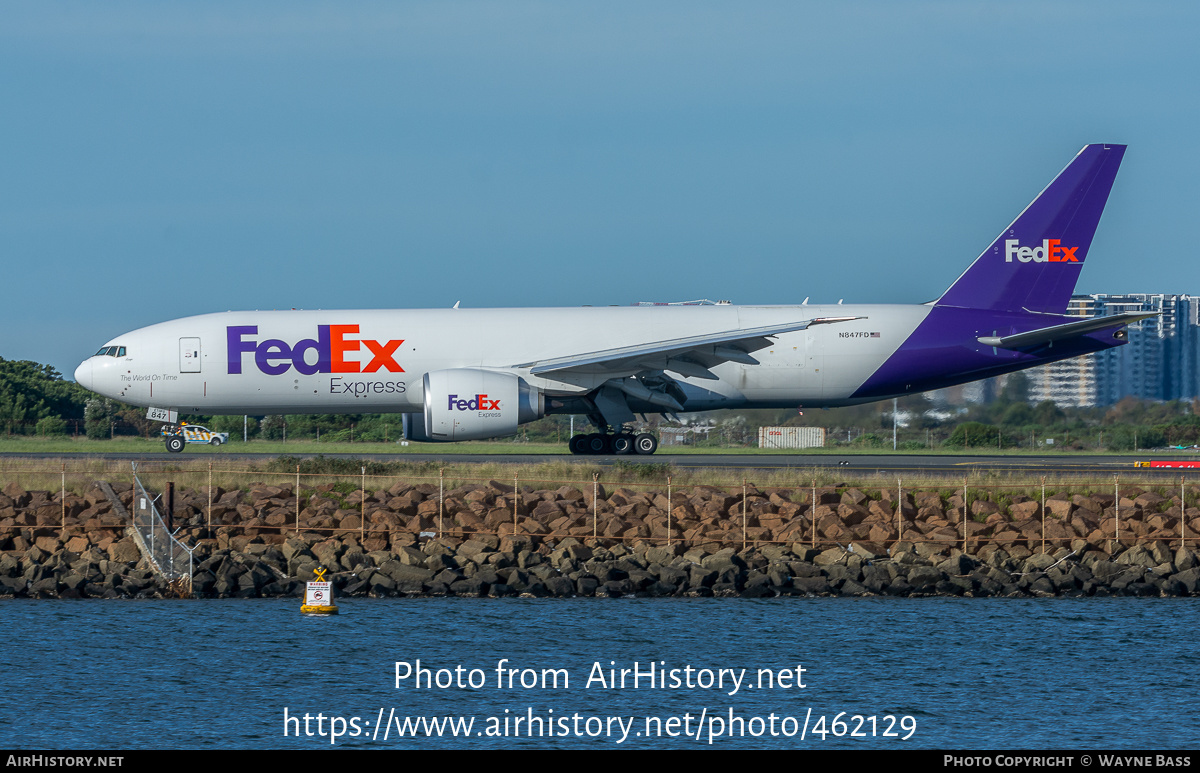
[413,542]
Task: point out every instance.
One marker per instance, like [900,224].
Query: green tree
[973,433]
[1047,414]
[136,418]
[234,425]
[30,392]
[99,415]
[1017,415]
[1016,389]
[51,425]
[272,427]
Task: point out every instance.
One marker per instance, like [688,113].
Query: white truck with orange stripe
[179,435]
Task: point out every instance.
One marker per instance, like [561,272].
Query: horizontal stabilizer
[1048,335]
[665,354]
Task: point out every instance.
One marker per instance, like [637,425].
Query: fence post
[812,513]
[743,513]
[1117,493]
[153,523]
[63,497]
[169,506]
[899,509]
[516,503]
[297,500]
[1182,511]
[167,532]
[595,497]
[441,501]
[966,511]
[362,509]
[669,509]
[1043,514]
[210,497]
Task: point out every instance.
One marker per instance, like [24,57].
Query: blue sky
[168,159]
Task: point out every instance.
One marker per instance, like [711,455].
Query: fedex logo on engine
[1050,251]
[329,350]
[476,403]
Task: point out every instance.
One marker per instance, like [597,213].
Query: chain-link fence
[171,558]
[224,505]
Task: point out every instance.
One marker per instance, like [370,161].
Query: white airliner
[463,374]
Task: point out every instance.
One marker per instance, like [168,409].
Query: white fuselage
[350,361]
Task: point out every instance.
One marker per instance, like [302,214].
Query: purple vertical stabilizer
[1034,264]
[1021,284]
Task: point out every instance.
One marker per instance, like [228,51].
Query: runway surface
[891,464]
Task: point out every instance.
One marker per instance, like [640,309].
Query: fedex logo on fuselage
[330,349]
[476,403]
[1050,251]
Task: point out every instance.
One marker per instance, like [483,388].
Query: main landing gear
[621,444]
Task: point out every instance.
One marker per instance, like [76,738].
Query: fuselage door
[189,355]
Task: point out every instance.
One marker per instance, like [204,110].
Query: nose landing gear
[175,442]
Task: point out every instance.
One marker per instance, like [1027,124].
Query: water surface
[972,673]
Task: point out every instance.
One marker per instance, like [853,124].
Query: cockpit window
[110,351]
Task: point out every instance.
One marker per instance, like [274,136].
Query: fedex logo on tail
[331,347]
[476,403]
[1050,251]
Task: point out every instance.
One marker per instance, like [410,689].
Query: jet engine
[471,404]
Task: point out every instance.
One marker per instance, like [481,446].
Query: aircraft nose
[83,374]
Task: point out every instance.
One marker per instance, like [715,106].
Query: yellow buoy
[318,596]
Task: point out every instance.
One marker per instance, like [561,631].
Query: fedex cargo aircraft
[463,374]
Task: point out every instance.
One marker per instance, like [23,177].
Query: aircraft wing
[1049,335]
[689,356]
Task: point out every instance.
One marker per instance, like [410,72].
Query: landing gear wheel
[622,444]
[175,444]
[645,443]
[577,444]
[597,444]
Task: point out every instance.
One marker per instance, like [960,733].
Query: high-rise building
[1160,362]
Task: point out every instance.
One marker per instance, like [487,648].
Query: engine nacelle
[470,404]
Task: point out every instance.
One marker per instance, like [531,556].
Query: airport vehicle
[179,435]
[461,374]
